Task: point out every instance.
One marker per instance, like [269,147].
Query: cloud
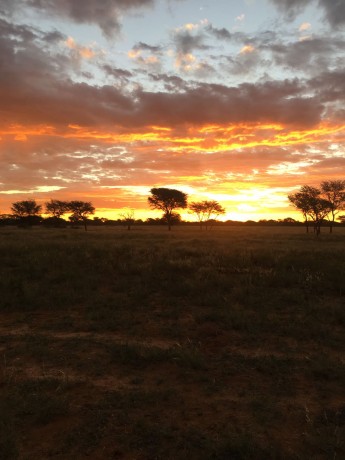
[85,52]
[304,26]
[145,47]
[334,10]
[314,54]
[116,72]
[186,43]
[106,13]
[247,49]
[290,8]
[219,34]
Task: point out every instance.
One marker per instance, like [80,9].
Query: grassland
[152,344]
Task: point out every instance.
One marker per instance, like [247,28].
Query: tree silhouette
[167,200]
[27,211]
[127,217]
[80,210]
[309,201]
[206,210]
[334,192]
[57,208]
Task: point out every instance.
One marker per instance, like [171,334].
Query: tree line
[319,203]
[315,203]
[27,212]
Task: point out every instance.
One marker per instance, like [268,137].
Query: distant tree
[334,192]
[80,211]
[7,219]
[56,208]
[287,220]
[342,219]
[309,201]
[26,211]
[100,221]
[174,217]
[127,217]
[206,211]
[167,200]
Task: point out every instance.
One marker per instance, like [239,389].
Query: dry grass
[171,345]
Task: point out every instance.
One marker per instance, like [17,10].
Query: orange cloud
[83,51]
[247,49]
[199,139]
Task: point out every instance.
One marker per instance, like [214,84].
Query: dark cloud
[34,89]
[104,13]
[330,86]
[334,10]
[145,47]
[312,54]
[115,72]
[172,83]
[280,102]
[186,42]
[53,37]
[219,34]
[290,8]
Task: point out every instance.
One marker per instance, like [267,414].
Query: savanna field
[148,344]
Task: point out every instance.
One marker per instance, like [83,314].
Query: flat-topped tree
[80,210]
[27,211]
[310,202]
[167,200]
[206,210]
[56,208]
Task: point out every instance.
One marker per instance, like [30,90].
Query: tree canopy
[167,200]
[57,208]
[80,211]
[206,210]
[310,202]
[334,193]
[26,211]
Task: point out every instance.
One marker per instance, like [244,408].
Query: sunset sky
[240,101]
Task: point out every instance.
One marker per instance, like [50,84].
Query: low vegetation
[172,345]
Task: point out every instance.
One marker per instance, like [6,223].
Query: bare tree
[334,193]
[127,217]
[167,200]
[206,210]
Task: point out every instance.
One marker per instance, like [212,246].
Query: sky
[239,101]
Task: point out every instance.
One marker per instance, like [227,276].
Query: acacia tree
[167,200]
[206,210]
[309,201]
[127,217]
[27,211]
[334,193]
[80,211]
[56,208]
[300,201]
